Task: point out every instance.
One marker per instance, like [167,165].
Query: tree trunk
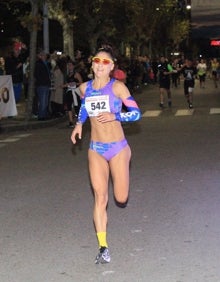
[68,45]
[46,28]
[93,43]
[32,56]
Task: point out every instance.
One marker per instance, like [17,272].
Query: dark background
[205,20]
[205,25]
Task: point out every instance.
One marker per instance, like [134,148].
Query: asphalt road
[170,230]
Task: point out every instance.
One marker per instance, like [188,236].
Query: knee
[121,195]
[122,202]
[101,200]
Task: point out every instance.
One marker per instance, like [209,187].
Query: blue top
[101,100]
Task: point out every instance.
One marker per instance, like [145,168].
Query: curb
[22,125]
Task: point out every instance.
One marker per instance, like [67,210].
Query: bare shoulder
[120,89]
[82,88]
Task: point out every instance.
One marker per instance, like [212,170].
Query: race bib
[97,104]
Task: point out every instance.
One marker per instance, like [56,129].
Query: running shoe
[103,256]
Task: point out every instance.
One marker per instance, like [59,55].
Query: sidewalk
[18,123]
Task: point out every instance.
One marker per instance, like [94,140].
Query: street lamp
[188,4]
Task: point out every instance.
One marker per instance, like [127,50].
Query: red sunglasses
[98,60]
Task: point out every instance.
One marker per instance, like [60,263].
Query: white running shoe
[103,256]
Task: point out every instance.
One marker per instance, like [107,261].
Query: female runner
[109,152]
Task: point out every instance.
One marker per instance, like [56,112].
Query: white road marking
[23,135]
[136,230]
[154,113]
[107,272]
[8,140]
[184,112]
[214,111]
[15,138]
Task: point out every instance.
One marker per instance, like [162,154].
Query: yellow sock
[102,239]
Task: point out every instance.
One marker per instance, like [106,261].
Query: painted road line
[13,139]
[154,113]
[214,111]
[8,140]
[184,112]
[22,135]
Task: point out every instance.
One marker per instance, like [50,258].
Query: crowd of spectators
[54,82]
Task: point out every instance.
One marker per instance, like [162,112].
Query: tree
[143,18]
[172,27]
[63,12]
[106,20]
[99,17]
[33,22]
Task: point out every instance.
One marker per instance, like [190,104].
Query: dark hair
[61,64]
[107,49]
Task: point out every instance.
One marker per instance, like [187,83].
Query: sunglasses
[98,60]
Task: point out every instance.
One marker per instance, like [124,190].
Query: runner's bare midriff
[106,132]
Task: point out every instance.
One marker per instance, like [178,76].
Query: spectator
[83,69]
[56,97]
[71,97]
[43,83]
[2,66]
[146,70]
[14,67]
[26,71]
[119,75]
[154,66]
